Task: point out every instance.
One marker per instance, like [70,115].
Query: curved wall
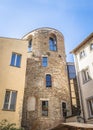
[36,80]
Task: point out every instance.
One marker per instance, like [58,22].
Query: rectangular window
[91,46]
[71,71]
[44,108]
[15,60]
[10,100]
[85,75]
[82,54]
[64,110]
[90,107]
[44,61]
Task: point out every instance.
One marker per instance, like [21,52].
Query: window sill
[48,86]
[15,66]
[45,117]
[90,118]
[82,58]
[29,51]
[86,81]
[91,50]
[8,110]
[53,51]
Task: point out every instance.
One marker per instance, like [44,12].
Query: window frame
[52,44]
[85,75]
[91,46]
[82,54]
[46,109]
[90,107]
[45,61]
[15,60]
[30,46]
[64,109]
[71,71]
[10,100]
[48,81]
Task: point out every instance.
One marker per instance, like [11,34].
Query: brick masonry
[35,85]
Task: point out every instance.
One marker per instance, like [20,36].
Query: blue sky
[73,18]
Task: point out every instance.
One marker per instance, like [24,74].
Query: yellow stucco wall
[12,78]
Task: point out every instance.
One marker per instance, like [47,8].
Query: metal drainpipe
[80,91]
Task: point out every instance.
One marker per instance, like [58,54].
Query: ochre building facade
[34,84]
[13,55]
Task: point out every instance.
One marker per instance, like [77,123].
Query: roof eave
[82,43]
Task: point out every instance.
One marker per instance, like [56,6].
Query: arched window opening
[48,81]
[52,44]
[30,46]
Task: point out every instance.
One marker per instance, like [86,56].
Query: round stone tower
[46,96]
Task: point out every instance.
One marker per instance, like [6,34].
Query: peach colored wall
[12,78]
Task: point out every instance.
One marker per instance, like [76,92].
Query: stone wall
[35,85]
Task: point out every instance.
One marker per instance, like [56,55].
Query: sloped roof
[82,43]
